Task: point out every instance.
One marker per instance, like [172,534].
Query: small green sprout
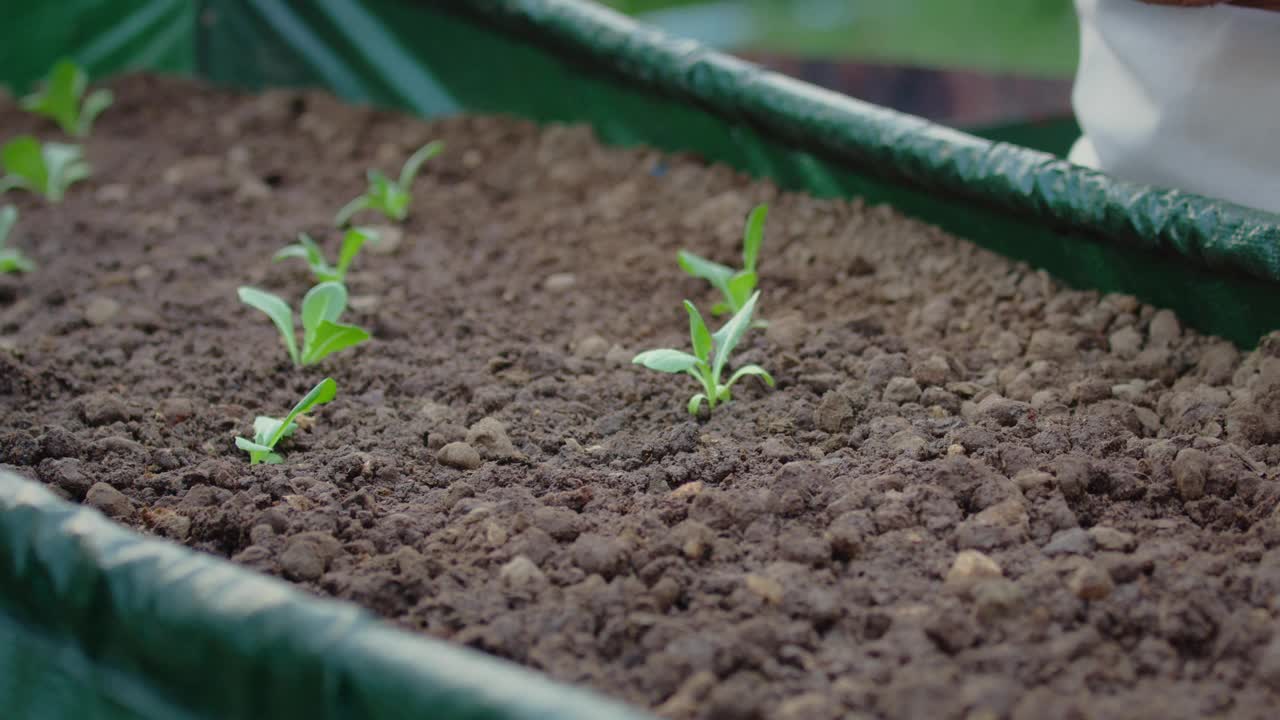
[60,95]
[268,431]
[48,169]
[322,334]
[735,285]
[387,196]
[710,353]
[309,251]
[10,259]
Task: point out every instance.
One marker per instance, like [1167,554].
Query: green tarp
[96,622]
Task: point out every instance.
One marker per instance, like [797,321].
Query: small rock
[560,523]
[1109,538]
[1269,664]
[787,332]
[520,573]
[101,310]
[598,555]
[170,524]
[1004,411]
[365,303]
[933,371]
[767,588]
[902,390]
[618,356]
[1073,541]
[386,239]
[591,347]
[1126,343]
[1164,329]
[307,555]
[846,535]
[559,282]
[489,437]
[810,706]
[459,455]
[1190,473]
[66,473]
[113,193]
[1004,523]
[970,568]
[176,410]
[908,442]
[835,412]
[996,598]
[110,501]
[1090,582]
[1031,479]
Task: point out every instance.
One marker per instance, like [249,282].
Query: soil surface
[973,494]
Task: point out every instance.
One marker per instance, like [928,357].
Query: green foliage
[310,252]
[48,169]
[10,259]
[734,285]
[268,431]
[322,334]
[710,354]
[61,98]
[387,196]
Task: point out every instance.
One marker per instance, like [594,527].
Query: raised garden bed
[973,491]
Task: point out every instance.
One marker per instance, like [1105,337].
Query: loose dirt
[974,493]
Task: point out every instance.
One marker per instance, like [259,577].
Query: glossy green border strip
[106,36]
[97,621]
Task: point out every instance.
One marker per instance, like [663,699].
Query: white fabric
[1178,97]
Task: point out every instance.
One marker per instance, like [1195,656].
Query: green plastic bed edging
[99,622]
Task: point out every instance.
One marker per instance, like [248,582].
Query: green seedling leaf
[330,338]
[727,337]
[352,241]
[60,99]
[10,259]
[711,353]
[387,196]
[753,237]
[735,286]
[47,169]
[666,360]
[409,172]
[699,333]
[324,302]
[279,312]
[322,334]
[268,431]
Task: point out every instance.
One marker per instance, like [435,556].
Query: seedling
[268,431]
[322,334]
[735,285]
[387,196]
[309,251]
[710,354]
[10,259]
[48,169]
[60,98]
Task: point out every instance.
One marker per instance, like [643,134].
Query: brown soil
[974,493]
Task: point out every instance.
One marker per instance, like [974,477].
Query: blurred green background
[1029,37]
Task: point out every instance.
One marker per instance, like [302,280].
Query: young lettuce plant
[61,98]
[387,196]
[310,252]
[269,431]
[10,259]
[47,169]
[735,285]
[710,354]
[322,334]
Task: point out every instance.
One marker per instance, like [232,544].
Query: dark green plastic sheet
[96,622]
